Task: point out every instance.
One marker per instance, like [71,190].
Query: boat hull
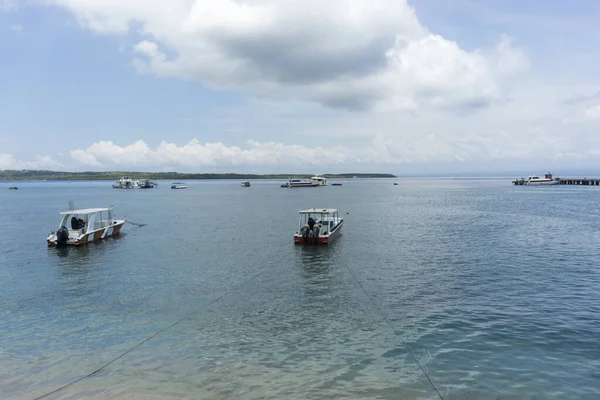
[90,236]
[295,185]
[544,183]
[321,240]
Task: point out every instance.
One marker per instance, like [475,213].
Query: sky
[258,86]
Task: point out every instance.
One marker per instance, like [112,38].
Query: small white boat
[318,226]
[86,225]
[178,185]
[245,184]
[534,180]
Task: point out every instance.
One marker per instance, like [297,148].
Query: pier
[579,181]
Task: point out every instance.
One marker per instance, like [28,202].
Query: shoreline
[30,175]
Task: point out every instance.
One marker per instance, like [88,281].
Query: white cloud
[473,146]
[106,154]
[7,161]
[340,53]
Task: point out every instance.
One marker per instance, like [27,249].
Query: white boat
[245,184]
[319,179]
[178,185]
[86,225]
[534,180]
[125,183]
[296,183]
[128,183]
[318,226]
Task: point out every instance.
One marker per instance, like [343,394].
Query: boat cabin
[318,226]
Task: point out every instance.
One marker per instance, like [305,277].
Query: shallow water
[494,289]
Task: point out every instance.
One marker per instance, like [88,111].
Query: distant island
[21,175]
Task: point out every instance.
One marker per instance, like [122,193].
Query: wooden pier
[579,181]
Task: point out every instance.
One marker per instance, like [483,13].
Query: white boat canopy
[85,211]
[319,211]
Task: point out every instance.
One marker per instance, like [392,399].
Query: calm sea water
[494,289]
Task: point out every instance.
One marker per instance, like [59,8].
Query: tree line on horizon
[114,175]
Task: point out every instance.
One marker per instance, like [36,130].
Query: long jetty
[579,181]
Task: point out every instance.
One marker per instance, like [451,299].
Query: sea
[436,289]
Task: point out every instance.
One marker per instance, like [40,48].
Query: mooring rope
[149,338]
[134,223]
[385,318]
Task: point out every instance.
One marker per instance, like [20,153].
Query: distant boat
[146,184]
[320,180]
[297,183]
[245,184]
[336,184]
[178,185]
[125,183]
[395,184]
[128,183]
[13,188]
[533,180]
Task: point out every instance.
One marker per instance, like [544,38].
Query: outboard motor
[62,235]
[316,234]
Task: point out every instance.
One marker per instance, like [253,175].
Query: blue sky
[428,85]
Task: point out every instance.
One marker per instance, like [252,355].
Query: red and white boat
[318,226]
[83,226]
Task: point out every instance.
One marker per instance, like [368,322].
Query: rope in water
[395,331]
[216,300]
[134,223]
[148,339]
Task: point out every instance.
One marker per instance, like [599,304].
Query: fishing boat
[318,226]
[178,185]
[297,183]
[86,225]
[245,184]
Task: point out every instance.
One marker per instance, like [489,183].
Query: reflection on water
[316,263]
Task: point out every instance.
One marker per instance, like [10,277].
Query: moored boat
[297,183]
[125,183]
[146,184]
[319,180]
[318,226]
[534,180]
[178,185]
[245,184]
[86,225]
[129,183]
